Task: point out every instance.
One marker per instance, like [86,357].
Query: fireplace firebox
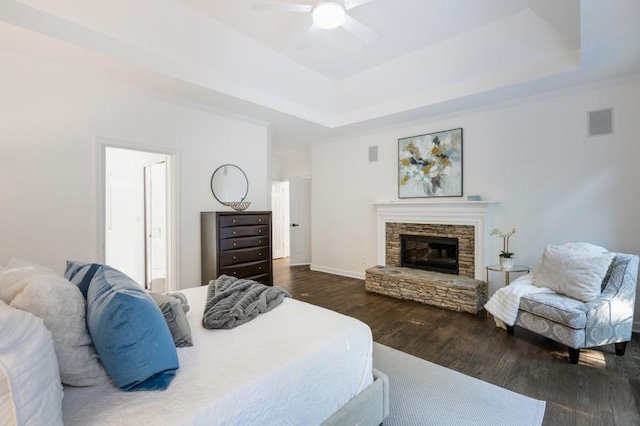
[438,254]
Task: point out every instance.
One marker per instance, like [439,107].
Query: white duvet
[295,365]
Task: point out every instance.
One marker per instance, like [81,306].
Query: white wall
[553,182]
[50,119]
[288,164]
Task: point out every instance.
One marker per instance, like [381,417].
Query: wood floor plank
[603,389]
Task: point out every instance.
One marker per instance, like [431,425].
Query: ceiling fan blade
[282,7]
[309,37]
[357,29]
[350,4]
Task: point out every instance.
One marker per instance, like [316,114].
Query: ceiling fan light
[328,15]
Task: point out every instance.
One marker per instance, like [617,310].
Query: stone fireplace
[465,220]
[441,222]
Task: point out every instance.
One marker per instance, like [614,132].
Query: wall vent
[601,122]
[373,154]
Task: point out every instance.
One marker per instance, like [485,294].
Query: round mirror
[229,184]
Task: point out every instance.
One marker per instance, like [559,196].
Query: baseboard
[299,264]
[350,274]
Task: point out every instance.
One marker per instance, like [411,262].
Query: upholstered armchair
[604,320]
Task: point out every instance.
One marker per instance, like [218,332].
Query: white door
[156,227]
[277,207]
[300,220]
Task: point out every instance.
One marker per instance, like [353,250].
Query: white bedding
[297,364]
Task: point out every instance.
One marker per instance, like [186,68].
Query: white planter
[506,262]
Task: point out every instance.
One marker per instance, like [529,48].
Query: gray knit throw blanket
[232,302]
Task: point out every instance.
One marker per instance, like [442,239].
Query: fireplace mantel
[447,212]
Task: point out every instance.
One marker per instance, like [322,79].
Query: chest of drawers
[237,244]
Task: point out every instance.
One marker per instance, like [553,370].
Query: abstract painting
[430,165]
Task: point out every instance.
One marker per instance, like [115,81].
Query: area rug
[424,393]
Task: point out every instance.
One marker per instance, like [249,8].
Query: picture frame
[430,165]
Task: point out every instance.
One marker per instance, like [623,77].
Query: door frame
[173,231]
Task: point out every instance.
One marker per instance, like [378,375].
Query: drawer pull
[259,254]
[259,220]
[234,272]
[234,221]
[259,241]
[260,230]
[234,257]
[260,268]
[234,244]
[234,232]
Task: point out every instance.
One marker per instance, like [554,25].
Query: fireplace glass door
[437,254]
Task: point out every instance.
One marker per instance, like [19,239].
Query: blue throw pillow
[127,327]
[81,274]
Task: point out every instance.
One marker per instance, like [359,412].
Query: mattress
[297,364]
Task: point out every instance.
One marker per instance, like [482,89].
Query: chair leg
[620,348]
[510,329]
[574,355]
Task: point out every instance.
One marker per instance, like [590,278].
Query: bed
[298,364]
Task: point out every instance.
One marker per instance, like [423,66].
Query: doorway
[137,231]
[291,207]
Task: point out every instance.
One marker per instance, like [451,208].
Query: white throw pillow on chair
[573,269]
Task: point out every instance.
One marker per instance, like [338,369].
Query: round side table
[506,271]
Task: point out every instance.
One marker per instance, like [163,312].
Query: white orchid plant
[505,240]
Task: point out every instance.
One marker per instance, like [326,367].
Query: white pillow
[15,277]
[30,389]
[573,269]
[582,247]
[60,304]
[62,308]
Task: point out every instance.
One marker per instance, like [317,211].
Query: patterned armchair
[604,320]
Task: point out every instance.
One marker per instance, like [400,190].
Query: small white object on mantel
[437,212]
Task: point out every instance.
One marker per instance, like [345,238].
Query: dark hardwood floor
[603,389]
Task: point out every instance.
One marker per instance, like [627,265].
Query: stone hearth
[455,292]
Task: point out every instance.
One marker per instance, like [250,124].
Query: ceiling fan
[326,15]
